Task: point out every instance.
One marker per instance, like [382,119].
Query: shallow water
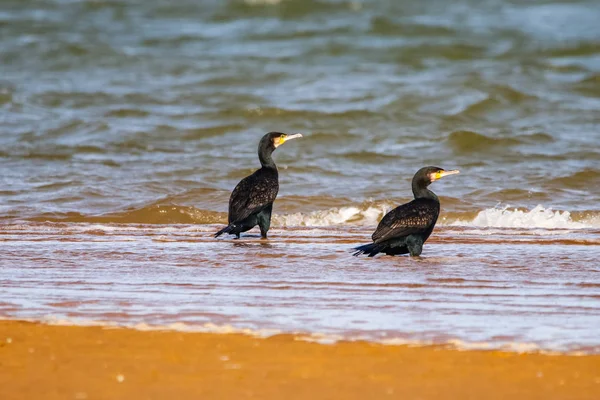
[124,125]
[474,287]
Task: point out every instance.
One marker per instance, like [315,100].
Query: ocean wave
[467,141]
[578,180]
[287,9]
[367,213]
[357,215]
[370,214]
[261,2]
[538,217]
[383,25]
[158,213]
[152,214]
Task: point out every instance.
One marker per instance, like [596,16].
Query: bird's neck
[266,160]
[422,192]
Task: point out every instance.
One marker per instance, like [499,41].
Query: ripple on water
[304,281]
[468,141]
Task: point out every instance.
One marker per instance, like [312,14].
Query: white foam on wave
[351,215]
[313,337]
[369,214]
[538,217]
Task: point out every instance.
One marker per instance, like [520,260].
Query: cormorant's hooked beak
[443,173]
[290,137]
[284,138]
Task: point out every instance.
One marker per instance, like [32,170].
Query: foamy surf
[313,337]
[505,217]
[538,217]
[351,215]
[365,214]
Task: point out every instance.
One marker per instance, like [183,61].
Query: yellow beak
[289,137]
[442,174]
[446,173]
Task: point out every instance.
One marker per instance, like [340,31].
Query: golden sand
[70,362]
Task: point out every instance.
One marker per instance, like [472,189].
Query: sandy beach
[72,362]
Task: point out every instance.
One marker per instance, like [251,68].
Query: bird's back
[253,193]
[416,217]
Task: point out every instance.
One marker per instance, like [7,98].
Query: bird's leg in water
[237,235]
[415,245]
[264,229]
[264,220]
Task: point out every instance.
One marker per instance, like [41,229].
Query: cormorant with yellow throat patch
[251,202]
[406,228]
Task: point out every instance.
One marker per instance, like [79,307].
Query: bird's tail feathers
[370,249]
[228,229]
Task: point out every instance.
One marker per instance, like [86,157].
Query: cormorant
[251,201]
[404,229]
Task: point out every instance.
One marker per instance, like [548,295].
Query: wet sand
[72,362]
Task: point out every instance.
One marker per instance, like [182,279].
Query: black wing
[418,216]
[252,194]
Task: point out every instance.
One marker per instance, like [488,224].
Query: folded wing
[252,195]
[418,216]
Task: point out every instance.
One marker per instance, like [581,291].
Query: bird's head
[427,175]
[270,142]
[278,138]
[273,140]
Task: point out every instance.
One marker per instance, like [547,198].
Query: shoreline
[454,344]
[90,362]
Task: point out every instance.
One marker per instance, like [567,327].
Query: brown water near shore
[59,362]
[490,288]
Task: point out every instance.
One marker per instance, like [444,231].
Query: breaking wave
[363,214]
[538,217]
[370,214]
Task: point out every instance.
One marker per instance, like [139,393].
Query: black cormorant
[251,201]
[404,229]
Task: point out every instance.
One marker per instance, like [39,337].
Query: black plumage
[405,229]
[251,202]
